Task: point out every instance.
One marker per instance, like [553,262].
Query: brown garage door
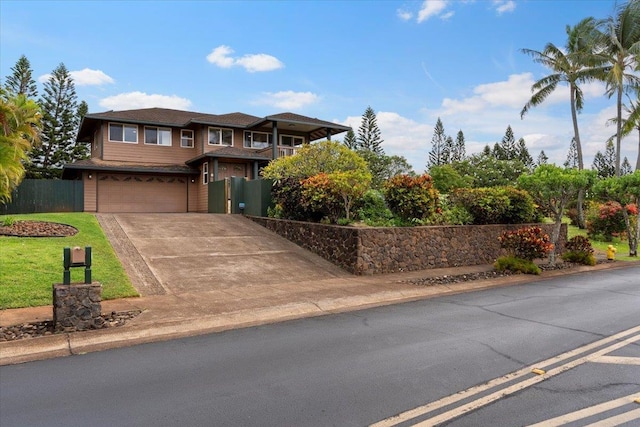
[141,193]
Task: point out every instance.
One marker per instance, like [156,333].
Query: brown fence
[45,195]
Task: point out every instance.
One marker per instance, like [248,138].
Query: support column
[255,170]
[328,134]
[275,139]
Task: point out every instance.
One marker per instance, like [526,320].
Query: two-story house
[162,160]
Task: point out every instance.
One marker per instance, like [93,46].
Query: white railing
[286,151]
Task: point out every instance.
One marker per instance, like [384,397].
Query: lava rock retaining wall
[375,250]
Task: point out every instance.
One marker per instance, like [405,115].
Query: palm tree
[632,122]
[19,129]
[578,65]
[619,40]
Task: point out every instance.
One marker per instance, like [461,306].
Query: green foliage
[383,167]
[452,214]
[606,219]
[579,250]
[334,194]
[438,155]
[19,132]
[59,126]
[312,159]
[373,210]
[369,134]
[322,180]
[527,243]
[8,221]
[21,82]
[496,205]
[487,171]
[412,198]
[517,265]
[446,178]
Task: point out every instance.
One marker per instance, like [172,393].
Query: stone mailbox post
[76,306]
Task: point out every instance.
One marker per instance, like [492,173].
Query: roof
[179,118]
[232,153]
[117,166]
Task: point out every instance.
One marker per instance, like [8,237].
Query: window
[186,138]
[219,136]
[257,139]
[291,141]
[157,136]
[205,173]
[123,133]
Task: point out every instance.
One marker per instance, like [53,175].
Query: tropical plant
[526,243]
[553,188]
[20,121]
[578,249]
[619,46]
[412,198]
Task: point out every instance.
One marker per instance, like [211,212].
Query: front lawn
[30,265]
[601,247]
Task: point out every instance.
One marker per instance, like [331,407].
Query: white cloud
[133,100]
[259,62]
[288,100]
[89,77]
[84,77]
[221,56]
[431,8]
[503,6]
[404,15]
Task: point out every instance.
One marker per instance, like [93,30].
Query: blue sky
[411,61]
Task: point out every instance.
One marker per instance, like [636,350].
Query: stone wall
[77,306]
[375,250]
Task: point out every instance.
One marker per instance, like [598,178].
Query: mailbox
[77,257]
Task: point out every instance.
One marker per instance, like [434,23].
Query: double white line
[623,338]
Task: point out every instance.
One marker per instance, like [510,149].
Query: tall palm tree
[578,65]
[632,121]
[619,39]
[19,129]
[574,65]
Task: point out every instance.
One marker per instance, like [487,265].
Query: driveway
[195,253]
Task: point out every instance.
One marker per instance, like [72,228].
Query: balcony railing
[286,151]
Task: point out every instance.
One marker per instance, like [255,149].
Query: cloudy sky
[411,61]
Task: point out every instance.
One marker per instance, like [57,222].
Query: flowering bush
[579,250]
[526,243]
[412,197]
[607,219]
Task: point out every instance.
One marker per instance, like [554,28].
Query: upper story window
[256,139]
[186,138]
[290,140]
[205,173]
[123,133]
[157,136]
[220,136]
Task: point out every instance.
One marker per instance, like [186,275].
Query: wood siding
[90,192]
[147,153]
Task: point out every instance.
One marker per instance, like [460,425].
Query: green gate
[45,195]
[236,195]
[217,196]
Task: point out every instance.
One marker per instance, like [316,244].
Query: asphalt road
[363,367]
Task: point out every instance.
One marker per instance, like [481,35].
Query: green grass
[621,245]
[30,265]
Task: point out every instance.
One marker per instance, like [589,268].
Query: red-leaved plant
[526,243]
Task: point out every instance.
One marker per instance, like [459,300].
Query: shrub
[373,210]
[452,214]
[287,195]
[8,221]
[579,250]
[516,264]
[412,198]
[527,243]
[607,219]
[496,205]
[319,195]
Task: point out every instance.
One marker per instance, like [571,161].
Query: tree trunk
[555,236]
[619,131]
[576,137]
[638,160]
[632,235]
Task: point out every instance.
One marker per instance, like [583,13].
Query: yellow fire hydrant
[611,253]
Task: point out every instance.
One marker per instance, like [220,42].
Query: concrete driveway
[195,253]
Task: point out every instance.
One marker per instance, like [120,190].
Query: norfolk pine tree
[369,133]
[59,126]
[21,80]
[350,140]
[438,141]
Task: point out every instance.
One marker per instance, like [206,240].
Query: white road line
[587,412]
[619,360]
[448,400]
[618,419]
